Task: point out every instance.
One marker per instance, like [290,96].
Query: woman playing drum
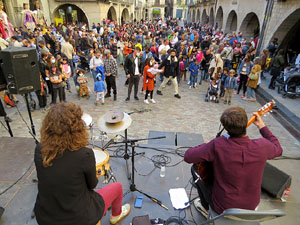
[67,174]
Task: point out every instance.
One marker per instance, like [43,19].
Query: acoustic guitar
[205,169]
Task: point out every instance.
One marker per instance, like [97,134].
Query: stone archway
[288,32]
[125,16]
[250,26]
[231,24]
[212,17]
[198,15]
[111,14]
[194,15]
[219,17]
[70,13]
[204,18]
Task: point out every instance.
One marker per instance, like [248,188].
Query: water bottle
[162,170]
[285,194]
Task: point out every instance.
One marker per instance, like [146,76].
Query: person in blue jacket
[99,89]
[194,68]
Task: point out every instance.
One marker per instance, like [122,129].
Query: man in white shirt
[163,49]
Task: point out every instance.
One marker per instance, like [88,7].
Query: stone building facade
[93,11]
[282,18]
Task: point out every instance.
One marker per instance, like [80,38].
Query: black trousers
[60,92]
[111,84]
[204,191]
[133,80]
[50,87]
[42,99]
[243,82]
[147,93]
[275,72]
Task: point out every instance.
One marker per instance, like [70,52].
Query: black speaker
[20,69]
[3,83]
[275,181]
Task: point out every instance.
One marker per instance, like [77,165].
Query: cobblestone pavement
[190,114]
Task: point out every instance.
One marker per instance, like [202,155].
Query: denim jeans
[94,74]
[203,75]
[250,92]
[68,84]
[193,79]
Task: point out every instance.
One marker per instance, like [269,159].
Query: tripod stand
[133,188]
[6,118]
[29,113]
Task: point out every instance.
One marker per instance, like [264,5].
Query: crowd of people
[158,51]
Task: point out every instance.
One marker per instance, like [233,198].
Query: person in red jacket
[237,161]
[150,71]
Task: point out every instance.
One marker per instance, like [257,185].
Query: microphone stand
[132,183]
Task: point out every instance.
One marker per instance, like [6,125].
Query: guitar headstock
[266,108]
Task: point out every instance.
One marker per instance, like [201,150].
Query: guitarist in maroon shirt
[237,162]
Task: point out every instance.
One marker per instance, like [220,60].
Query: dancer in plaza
[133,69]
[171,70]
[66,165]
[237,161]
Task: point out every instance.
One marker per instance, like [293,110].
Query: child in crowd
[223,78]
[194,68]
[66,71]
[83,80]
[75,59]
[183,66]
[229,86]
[99,89]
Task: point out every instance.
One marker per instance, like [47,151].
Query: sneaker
[177,96]
[102,103]
[195,85]
[146,101]
[190,87]
[159,92]
[127,99]
[188,83]
[107,96]
[152,100]
[124,213]
[136,98]
[243,96]
[200,208]
[236,93]
[229,102]
[225,102]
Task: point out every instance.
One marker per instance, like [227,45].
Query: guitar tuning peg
[271,111]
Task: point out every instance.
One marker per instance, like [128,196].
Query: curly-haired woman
[67,174]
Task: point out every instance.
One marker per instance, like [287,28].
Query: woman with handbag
[253,80]
[243,72]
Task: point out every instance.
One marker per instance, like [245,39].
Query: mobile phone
[138,202]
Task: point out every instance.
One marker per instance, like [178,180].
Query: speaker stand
[6,118]
[29,113]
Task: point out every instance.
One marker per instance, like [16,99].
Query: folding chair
[236,216]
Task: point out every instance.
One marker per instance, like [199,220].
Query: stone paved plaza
[190,114]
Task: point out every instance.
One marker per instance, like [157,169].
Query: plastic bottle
[285,194]
[162,170]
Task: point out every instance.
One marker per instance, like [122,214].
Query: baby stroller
[288,84]
[84,63]
[212,92]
